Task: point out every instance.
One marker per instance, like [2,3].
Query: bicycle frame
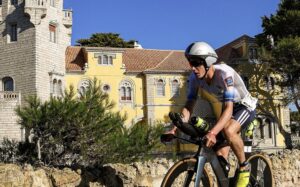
[208,155]
[204,155]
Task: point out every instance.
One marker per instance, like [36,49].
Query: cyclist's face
[199,70]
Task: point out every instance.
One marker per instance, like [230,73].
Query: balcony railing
[67,18]
[36,10]
[7,95]
[36,4]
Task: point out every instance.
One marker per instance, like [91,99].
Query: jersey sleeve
[192,87]
[228,79]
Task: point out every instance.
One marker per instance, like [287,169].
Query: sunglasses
[197,62]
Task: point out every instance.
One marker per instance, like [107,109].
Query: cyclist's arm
[228,106]
[224,118]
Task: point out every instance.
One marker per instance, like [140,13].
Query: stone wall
[9,127]
[286,171]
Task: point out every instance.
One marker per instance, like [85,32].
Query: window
[52,31]
[14,2]
[160,88]
[126,91]
[60,88]
[106,88]
[8,84]
[253,53]
[175,88]
[13,33]
[270,82]
[52,3]
[106,59]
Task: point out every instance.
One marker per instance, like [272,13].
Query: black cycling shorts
[243,115]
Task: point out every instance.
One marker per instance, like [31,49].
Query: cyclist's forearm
[187,110]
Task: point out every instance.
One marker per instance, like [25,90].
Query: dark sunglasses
[196,62]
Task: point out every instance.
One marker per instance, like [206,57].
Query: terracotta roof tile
[74,59]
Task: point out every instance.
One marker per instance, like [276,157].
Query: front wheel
[261,174]
[183,173]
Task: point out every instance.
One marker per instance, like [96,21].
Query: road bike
[191,171]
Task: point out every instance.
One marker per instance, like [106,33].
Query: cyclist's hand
[210,139]
[172,131]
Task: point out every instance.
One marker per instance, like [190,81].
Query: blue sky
[170,24]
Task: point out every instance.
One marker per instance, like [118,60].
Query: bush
[84,130]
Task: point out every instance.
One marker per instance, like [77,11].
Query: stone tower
[34,35]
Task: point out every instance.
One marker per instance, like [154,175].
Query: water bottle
[200,124]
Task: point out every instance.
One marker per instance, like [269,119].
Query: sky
[170,24]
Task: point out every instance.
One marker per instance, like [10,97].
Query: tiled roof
[149,60]
[135,60]
[74,59]
[228,51]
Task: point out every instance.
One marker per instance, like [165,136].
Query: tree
[106,40]
[84,130]
[280,43]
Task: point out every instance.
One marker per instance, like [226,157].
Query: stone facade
[34,38]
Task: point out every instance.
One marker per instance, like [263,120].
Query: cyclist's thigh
[243,115]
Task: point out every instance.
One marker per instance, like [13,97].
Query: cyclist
[225,85]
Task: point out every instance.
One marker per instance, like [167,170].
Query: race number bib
[249,101]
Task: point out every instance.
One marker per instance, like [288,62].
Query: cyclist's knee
[232,129]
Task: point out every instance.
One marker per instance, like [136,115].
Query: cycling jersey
[226,86]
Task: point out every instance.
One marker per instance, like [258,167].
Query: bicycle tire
[186,167]
[261,173]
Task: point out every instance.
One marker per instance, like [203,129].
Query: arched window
[123,93]
[8,84]
[60,88]
[175,88]
[55,86]
[160,87]
[126,91]
[267,129]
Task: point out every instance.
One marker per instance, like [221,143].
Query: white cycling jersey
[226,86]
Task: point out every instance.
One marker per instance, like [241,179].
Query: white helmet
[203,51]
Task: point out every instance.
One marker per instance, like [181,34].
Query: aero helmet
[203,51]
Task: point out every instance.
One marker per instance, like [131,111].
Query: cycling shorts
[243,115]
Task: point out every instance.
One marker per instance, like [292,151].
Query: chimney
[136,45]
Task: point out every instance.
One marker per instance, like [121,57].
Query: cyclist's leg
[223,151]
[241,118]
[231,132]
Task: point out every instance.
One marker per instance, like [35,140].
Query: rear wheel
[261,174]
[182,174]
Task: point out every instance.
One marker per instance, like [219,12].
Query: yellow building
[147,84]
[144,84]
